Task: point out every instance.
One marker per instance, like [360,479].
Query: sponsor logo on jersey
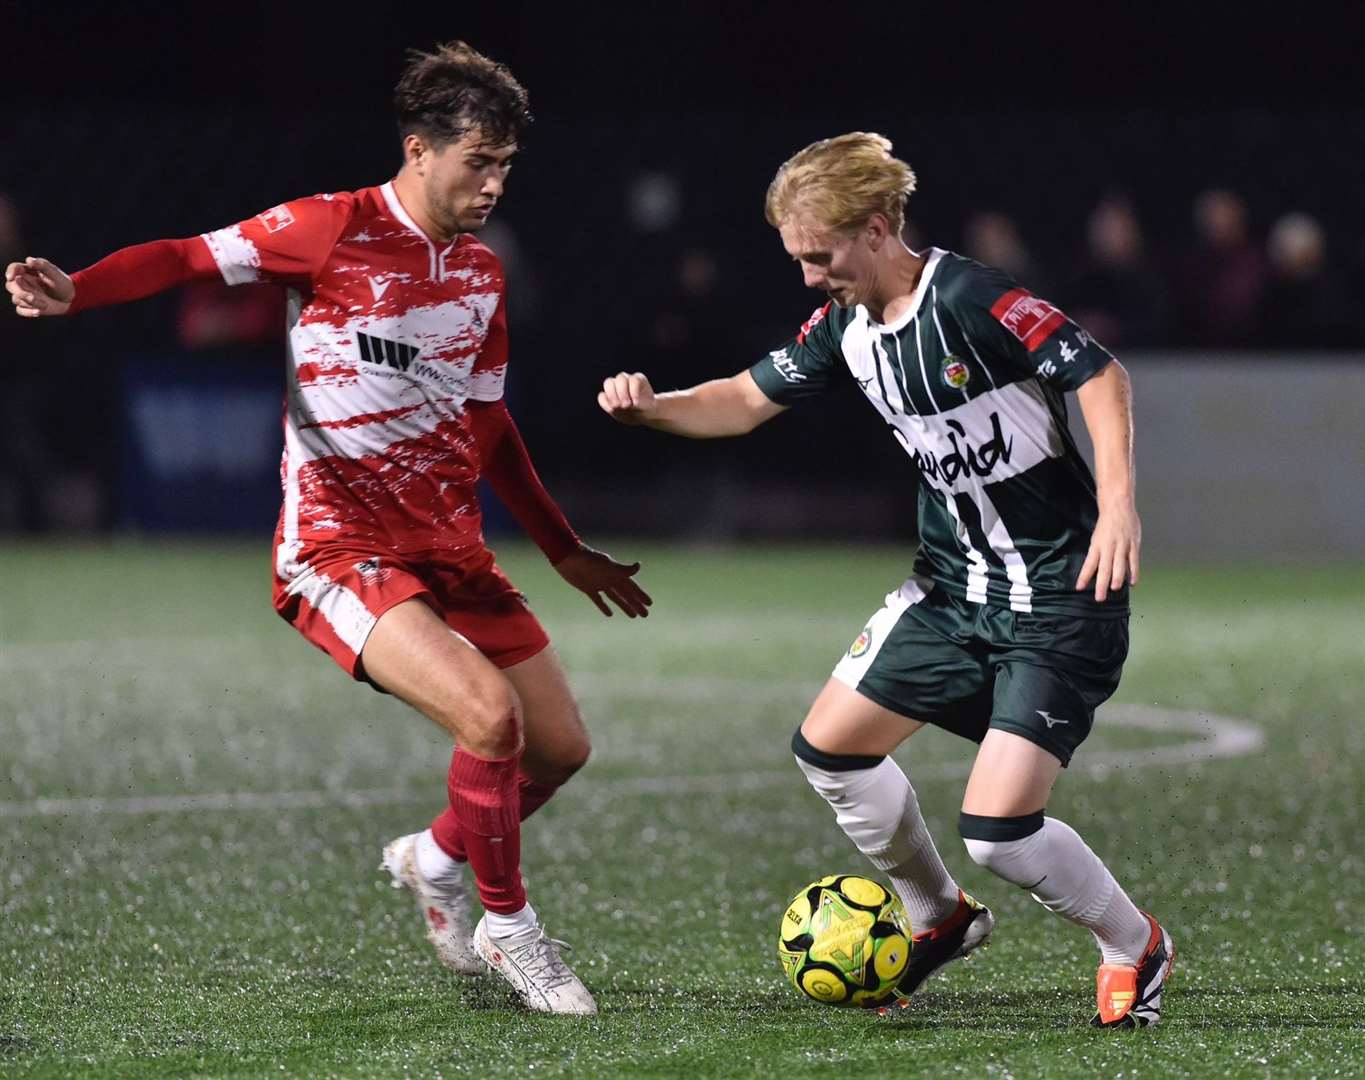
[861,643]
[785,366]
[966,459]
[955,373]
[394,354]
[1068,353]
[1027,317]
[810,324]
[379,286]
[276,218]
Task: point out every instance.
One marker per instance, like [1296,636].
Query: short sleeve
[1024,334]
[804,367]
[490,367]
[288,243]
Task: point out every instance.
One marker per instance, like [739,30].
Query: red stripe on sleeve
[1006,302]
[1044,330]
[814,321]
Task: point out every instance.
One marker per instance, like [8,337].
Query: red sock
[485,807]
[534,795]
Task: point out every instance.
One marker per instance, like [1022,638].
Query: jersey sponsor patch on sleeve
[810,324]
[785,366]
[1030,319]
[276,218]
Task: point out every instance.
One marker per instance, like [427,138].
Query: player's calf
[1047,857]
[876,807]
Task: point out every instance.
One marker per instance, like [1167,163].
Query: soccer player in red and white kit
[397,354]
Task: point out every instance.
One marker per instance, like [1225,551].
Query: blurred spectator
[21,481]
[50,432]
[1306,305]
[1118,295]
[213,314]
[523,289]
[692,319]
[1223,278]
[993,238]
[697,321]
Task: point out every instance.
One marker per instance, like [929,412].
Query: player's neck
[896,285]
[407,185]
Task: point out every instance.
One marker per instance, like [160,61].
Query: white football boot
[530,961]
[444,905]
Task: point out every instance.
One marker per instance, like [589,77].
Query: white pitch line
[1217,737]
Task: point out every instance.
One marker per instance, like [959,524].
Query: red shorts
[335,604]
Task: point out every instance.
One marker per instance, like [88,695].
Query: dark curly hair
[443,95]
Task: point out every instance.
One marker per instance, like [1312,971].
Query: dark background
[123,123]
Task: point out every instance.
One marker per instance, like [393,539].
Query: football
[845,940]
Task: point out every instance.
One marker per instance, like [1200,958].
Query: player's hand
[37,287]
[627,398]
[598,575]
[1113,555]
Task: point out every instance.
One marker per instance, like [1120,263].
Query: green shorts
[966,667]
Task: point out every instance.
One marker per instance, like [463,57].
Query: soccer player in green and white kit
[1013,627]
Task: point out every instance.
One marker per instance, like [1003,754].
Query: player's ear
[415,151]
[876,231]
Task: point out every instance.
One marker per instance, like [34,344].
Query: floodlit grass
[262,940]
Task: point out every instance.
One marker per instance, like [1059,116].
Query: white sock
[1065,876]
[501,926]
[878,810]
[432,862]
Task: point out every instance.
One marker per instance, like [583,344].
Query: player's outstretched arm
[37,288]
[507,467]
[1106,400]
[711,410]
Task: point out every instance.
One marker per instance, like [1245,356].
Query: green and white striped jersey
[971,381]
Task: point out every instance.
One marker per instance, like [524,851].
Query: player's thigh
[843,721]
[1011,776]
[415,656]
[556,738]
[1051,674]
[914,663]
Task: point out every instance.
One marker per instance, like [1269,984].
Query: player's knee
[829,772]
[490,721]
[568,758]
[577,756]
[1004,846]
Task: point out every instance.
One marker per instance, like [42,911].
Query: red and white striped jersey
[390,334]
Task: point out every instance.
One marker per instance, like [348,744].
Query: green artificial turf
[258,938]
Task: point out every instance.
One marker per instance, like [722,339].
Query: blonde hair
[842,182]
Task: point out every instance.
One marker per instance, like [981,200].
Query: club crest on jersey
[861,644]
[955,373]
